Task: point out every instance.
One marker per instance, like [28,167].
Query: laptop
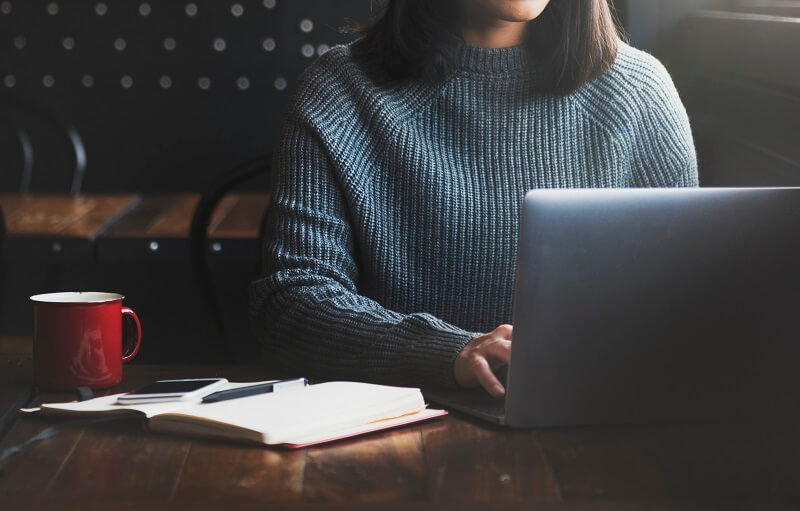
[650,305]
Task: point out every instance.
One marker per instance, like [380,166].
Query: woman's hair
[573,41]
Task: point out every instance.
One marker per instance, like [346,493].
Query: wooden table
[157,229]
[127,228]
[59,228]
[453,463]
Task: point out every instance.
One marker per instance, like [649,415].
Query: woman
[402,166]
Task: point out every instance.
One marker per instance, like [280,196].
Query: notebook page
[315,410]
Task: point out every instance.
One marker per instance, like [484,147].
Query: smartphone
[172,390]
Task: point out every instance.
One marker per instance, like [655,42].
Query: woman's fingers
[487,379]
[474,364]
[498,352]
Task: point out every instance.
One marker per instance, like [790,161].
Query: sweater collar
[493,61]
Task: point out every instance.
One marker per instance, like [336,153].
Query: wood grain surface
[452,463]
[81,216]
[117,228]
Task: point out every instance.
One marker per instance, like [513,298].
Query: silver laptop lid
[651,305]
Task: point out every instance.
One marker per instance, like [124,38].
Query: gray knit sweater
[392,234]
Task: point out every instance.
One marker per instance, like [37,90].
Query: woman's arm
[307,308]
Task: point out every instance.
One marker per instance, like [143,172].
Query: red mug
[78,339]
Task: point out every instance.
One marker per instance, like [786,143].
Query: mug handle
[128,313]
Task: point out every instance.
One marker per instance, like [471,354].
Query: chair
[33,126]
[200,248]
[2,257]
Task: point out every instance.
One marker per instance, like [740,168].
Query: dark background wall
[155,95]
[650,24]
[735,64]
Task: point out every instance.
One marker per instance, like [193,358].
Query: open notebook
[291,418]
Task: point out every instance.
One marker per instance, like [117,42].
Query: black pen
[252,390]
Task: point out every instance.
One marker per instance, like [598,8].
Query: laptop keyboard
[469,400]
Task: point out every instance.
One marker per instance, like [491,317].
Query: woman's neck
[494,33]
[480,29]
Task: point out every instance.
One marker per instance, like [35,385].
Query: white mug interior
[77,297]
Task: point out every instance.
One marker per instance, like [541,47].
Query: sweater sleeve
[664,152]
[306,308]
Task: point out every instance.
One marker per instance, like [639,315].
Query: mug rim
[77,297]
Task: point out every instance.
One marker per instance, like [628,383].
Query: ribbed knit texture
[393,229]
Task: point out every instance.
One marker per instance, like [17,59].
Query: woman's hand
[475,362]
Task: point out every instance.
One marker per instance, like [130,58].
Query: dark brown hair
[575,41]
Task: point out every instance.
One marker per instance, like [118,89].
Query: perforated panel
[150,96]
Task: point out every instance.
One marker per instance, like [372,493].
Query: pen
[252,390]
